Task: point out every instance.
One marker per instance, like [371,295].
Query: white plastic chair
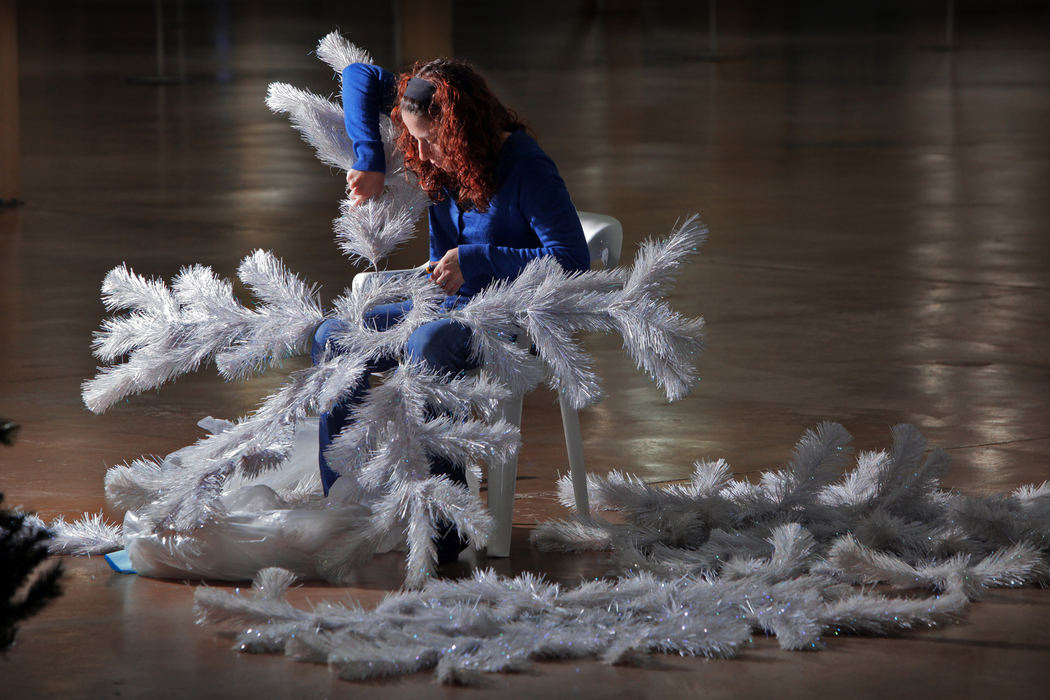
[604,236]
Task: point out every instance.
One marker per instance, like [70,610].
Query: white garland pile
[196,512]
[707,564]
[890,502]
[886,520]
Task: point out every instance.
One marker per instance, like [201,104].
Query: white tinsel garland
[171,331]
[387,450]
[887,520]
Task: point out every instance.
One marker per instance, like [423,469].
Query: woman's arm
[368,91]
[545,203]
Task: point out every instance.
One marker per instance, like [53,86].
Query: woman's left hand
[446,273]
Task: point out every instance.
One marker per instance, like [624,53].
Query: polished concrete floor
[879,254]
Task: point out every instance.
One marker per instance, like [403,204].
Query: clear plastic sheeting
[270,519]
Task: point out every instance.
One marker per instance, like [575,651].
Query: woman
[498,202]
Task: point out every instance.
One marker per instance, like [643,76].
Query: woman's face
[425,133]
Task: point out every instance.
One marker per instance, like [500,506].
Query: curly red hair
[471,125]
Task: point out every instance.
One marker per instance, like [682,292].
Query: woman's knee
[442,345]
[382,317]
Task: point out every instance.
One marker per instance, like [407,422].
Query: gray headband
[419,90]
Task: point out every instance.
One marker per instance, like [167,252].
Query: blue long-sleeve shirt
[530,215]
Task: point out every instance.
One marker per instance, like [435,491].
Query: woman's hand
[362,185]
[446,273]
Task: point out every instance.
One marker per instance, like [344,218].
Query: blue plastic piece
[120,562]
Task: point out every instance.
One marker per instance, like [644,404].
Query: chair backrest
[604,236]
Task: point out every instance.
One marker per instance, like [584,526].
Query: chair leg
[570,421]
[473,484]
[502,482]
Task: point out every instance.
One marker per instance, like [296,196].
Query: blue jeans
[442,345]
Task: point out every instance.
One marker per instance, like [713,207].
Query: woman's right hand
[362,185]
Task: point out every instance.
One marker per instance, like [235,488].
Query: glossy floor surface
[879,254]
